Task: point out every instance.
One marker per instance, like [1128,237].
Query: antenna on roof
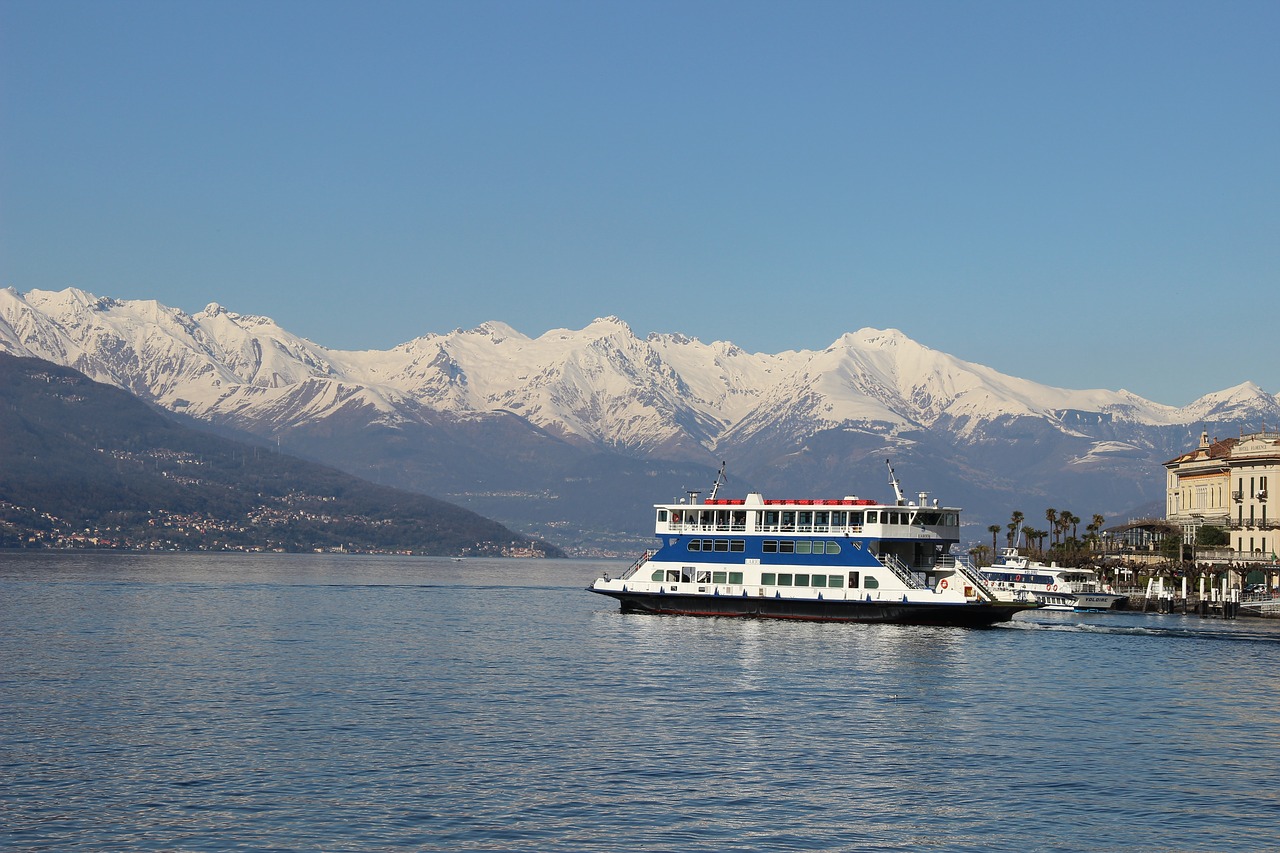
[720,478]
[893,481]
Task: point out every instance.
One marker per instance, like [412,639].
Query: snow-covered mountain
[662,400]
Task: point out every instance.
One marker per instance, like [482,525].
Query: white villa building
[1224,483]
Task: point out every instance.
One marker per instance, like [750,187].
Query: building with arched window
[1224,483]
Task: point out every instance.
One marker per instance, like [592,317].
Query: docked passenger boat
[849,559]
[1016,577]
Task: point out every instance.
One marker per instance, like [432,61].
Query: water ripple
[322,704]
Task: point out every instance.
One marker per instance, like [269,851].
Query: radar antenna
[720,478]
[897,487]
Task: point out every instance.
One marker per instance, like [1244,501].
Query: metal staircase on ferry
[970,573]
[635,567]
[900,570]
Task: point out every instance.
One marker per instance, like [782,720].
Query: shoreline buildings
[1224,483]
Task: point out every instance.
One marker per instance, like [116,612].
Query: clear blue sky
[1085,194]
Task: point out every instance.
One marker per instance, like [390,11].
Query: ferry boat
[1019,578]
[840,560]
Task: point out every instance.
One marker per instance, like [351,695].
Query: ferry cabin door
[921,555]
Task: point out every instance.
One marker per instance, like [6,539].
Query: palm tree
[1098,521]
[1051,515]
[1092,531]
[1060,527]
[1032,535]
[1015,526]
[994,530]
[978,554]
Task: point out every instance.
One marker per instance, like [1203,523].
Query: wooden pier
[1224,603]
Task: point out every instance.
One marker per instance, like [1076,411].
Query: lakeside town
[287,527]
[1216,540]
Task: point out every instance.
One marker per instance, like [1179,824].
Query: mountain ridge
[666,400]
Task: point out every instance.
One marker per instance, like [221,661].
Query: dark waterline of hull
[895,612]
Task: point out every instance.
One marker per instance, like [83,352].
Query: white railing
[900,569]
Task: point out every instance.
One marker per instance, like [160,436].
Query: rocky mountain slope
[575,432]
[83,464]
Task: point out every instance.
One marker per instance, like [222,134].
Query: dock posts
[1231,605]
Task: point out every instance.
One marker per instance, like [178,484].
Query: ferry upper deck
[846,517]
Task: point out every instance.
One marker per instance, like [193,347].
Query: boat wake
[1218,631]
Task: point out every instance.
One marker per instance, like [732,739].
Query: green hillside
[86,464]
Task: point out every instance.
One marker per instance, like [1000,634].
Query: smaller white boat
[1018,578]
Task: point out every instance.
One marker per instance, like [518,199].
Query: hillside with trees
[84,464]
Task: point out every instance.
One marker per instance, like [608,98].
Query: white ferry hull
[1099,601]
[966,614]
[1067,601]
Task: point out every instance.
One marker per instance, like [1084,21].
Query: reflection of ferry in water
[845,560]
[1017,578]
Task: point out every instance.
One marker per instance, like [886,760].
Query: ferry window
[838,518]
[718,577]
[802,580]
[835,580]
[871,583]
[853,580]
[722,544]
[695,544]
[768,578]
[735,577]
[819,580]
[739,519]
[673,574]
[738,545]
[833,547]
[656,576]
[855,519]
[786,546]
[722,518]
[820,519]
[771,517]
[871,516]
[802,547]
[769,546]
[704,576]
[784,580]
[788,520]
[804,519]
[662,515]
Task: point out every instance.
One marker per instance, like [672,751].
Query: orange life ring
[943,583]
[1053,588]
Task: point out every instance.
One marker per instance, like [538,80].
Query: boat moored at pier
[848,559]
[1016,577]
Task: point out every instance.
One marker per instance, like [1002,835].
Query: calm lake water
[174,702]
